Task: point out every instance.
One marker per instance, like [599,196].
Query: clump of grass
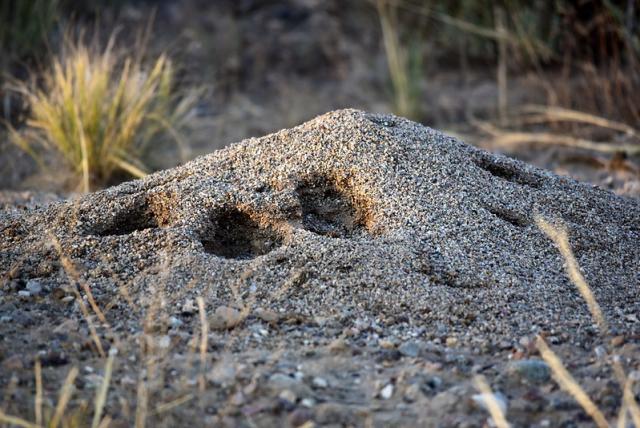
[100,110]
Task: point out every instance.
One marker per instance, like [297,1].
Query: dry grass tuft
[100,111]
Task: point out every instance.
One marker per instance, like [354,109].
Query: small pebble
[300,417]
[481,401]
[320,382]
[617,341]
[287,395]
[267,315]
[189,307]
[225,318]
[308,402]
[409,349]
[238,399]
[536,371]
[34,287]
[412,393]
[601,352]
[175,322]
[164,342]
[386,392]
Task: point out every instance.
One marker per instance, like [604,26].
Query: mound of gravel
[351,217]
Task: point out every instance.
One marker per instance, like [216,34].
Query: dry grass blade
[622,416]
[38,399]
[490,400]
[558,234]
[559,114]
[397,58]
[204,334]
[503,138]
[101,396]
[165,407]
[141,405]
[568,383]
[105,422]
[13,420]
[65,396]
[630,402]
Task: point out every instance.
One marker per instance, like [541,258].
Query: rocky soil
[357,270]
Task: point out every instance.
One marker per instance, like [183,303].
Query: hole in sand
[514,218]
[508,172]
[235,235]
[329,211]
[128,220]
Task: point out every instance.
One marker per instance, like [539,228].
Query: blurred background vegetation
[553,83]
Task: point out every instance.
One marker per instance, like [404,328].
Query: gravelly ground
[358,269]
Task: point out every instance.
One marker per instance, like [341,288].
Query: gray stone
[279,382]
[482,400]
[410,349]
[386,392]
[320,382]
[535,371]
[34,287]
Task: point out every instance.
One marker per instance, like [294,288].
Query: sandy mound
[349,219]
